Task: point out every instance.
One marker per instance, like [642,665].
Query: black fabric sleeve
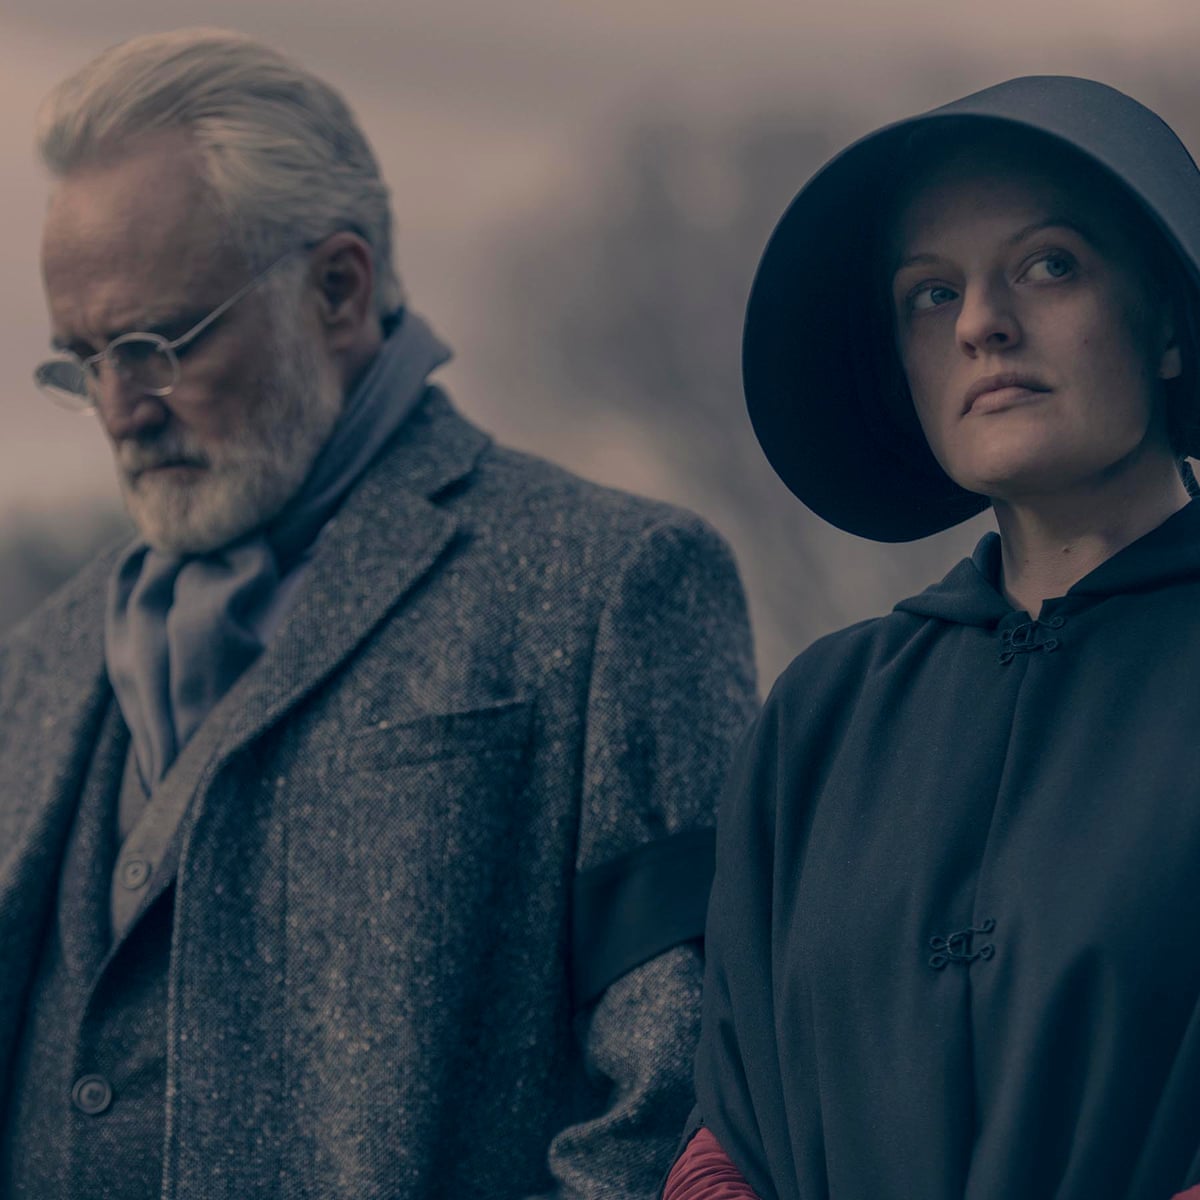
[637,905]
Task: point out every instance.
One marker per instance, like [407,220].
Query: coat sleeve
[671,689]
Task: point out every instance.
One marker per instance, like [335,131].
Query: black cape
[954,938]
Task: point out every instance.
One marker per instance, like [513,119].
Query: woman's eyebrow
[926,258]
[916,260]
[1051,223]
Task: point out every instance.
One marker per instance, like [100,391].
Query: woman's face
[1033,342]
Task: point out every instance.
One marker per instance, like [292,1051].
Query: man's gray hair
[283,155]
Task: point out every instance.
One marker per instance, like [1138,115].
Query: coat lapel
[386,538]
[54,717]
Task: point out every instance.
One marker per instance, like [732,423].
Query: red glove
[705,1172]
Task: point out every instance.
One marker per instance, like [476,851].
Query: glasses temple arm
[196,330]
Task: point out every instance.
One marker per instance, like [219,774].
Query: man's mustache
[163,450]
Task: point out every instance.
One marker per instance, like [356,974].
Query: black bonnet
[816,376]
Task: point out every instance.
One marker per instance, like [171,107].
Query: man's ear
[343,276]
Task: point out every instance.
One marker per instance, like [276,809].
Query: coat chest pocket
[399,872]
[504,726]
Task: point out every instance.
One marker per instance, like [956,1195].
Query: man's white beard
[249,478]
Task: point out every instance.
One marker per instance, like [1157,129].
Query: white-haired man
[354,820]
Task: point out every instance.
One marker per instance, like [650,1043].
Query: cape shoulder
[839,663]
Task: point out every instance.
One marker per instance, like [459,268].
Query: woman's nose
[987,320]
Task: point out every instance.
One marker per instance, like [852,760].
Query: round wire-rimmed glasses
[147,361]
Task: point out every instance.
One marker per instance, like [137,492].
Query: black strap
[637,905]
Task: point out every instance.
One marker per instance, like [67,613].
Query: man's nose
[987,319]
[125,408]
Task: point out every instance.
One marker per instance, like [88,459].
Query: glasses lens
[144,361]
[64,380]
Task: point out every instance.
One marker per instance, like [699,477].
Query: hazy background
[581,191]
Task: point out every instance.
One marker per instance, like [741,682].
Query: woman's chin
[1016,479]
[1021,469]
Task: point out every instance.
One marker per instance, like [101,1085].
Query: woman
[954,940]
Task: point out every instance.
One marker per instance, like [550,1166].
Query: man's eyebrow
[166,323]
[170,325]
[925,258]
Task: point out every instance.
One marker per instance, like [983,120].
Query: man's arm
[672,688]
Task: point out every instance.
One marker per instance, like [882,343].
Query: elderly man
[353,821]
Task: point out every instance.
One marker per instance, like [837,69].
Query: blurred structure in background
[582,194]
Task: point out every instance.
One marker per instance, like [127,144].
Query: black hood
[816,358]
[970,594]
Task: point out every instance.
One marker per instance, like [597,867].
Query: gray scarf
[180,630]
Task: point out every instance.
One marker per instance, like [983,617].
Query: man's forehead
[133,242]
[148,207]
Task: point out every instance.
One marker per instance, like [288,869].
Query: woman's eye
[1050,266]
[930,295]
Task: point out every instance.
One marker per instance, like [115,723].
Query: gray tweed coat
[496,676]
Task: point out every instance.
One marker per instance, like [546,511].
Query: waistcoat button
[134,873]
[92,1094]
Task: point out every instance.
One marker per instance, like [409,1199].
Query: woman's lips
[998,399]
[1003,390]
